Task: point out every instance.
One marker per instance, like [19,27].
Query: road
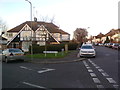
[99,72]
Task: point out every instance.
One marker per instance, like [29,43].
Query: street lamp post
[45,44]
[31,25]
[88,34]
[30,9]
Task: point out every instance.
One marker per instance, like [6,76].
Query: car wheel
[6,59]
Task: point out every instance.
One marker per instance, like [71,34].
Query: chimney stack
[35,19]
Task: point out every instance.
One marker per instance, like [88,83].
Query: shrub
[72,46]
[39,49]
[57,47]
[36,49]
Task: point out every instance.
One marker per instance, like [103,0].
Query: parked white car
[12,54]
[87,50]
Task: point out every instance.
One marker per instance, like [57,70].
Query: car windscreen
[15,50]
[86,47]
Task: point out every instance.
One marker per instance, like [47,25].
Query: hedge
[72,46]
[39,49]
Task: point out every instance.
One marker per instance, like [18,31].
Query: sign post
[66,48]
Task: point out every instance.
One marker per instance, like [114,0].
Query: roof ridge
[50,26]
[17,26]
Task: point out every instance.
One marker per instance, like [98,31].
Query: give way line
[40,71]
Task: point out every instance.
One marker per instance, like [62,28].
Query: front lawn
[48,55]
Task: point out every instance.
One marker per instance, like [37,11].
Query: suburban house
[98,38]
[40,33]
[3,42]
[113,35]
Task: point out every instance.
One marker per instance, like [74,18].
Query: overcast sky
[99,15]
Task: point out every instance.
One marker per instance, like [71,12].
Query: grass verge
[49,55]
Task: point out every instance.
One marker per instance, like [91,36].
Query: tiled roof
[62,32]
[112,32]
[99,35]
[52,28]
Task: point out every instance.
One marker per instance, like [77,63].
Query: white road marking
[116,86]
[101,70]
[88,67]
[85,63]
[96,80]
[93,74]
[94,64]
[33,85]
[89,60]
[97,67]
[100,86]
[47,70]
[90,70]
[41,71]
[25,68]
[111,80]
[105,74]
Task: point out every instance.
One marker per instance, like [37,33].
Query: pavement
[71,57]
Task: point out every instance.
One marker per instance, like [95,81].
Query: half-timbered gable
[37,32]
[26,33]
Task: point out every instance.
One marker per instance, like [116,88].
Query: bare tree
[3,26]
[47,19]
[80,35]
[44,19]
[52,20]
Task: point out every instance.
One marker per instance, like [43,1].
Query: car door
[4,54]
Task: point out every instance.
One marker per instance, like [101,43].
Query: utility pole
[31,26]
